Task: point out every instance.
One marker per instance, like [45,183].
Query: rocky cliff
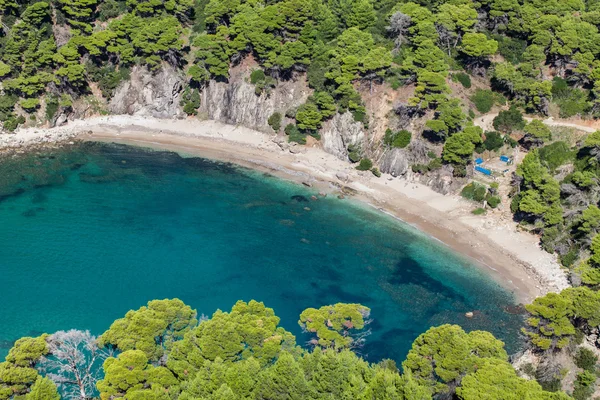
[236,102]
[398,162]
[150,93]
[157,94]
[339,133]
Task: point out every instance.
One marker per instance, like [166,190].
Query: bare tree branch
[73,362]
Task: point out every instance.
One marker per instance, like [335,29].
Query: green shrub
[510,48]
[528,369]
[434,164]
[572,101]
[257,76]
[471,113]
[65,101]
[110,9]
[365,165]
[552,385]
[508,121]
[586,359]
[190,99]
[514,203]
[398,139]
[316,74]
[575,104]
[354,154]
[7,105]
[275,121]
[494,201]
[479,211]
[262,82]
[474,191]
[538,131]
[556,154]
[389,136]
[51,107]
[13,122]
[189,109]
[569,259]
[395,82]
[294,134]
[549,238]
[493,141]
[30,105]
[419,168]
[560,88]
[468,191]
[459,170]
[463,79]
[484,100]
[584,385]
[511,142]
[376,172]
[360,115]
[291,113]
[265,86]
[107,77]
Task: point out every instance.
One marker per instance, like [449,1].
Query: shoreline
[513,258]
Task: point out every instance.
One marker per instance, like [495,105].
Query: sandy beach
[512,257]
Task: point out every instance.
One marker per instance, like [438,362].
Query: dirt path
[486,123]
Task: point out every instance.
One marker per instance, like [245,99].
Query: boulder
[342,176]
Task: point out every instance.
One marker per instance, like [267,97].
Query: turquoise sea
[89,232]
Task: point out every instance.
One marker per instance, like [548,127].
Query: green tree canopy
[334,324]
[249,330]
[130,376]
[496,379]
[440,357]
[18,373]
[555,317]
[459,147]
[152,329]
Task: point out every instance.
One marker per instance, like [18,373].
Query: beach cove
[511,256]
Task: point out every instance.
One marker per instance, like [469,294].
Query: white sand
[514,258]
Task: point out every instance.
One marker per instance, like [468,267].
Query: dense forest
[162,351]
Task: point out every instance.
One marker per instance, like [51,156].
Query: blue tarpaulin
[483,170]
[504,158]
[479,161]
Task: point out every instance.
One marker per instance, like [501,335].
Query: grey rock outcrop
[340,132]
[442,180]
[397,162]
[237,103]
[148,93]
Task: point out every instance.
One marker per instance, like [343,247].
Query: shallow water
[91,232]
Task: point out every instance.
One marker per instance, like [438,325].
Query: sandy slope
[512,257]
